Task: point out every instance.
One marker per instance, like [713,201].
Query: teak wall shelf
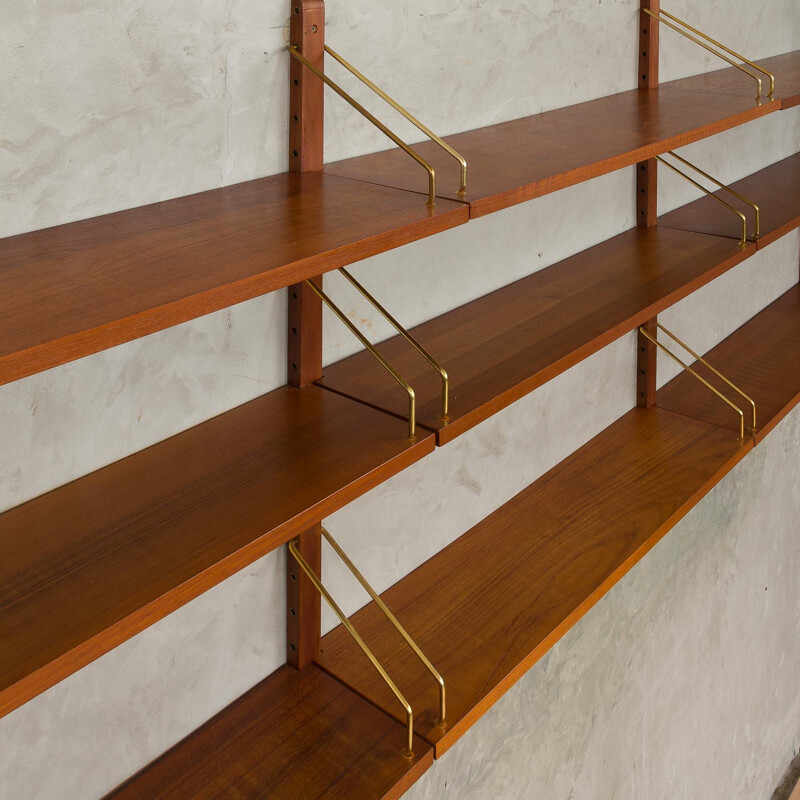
[500,347]
[297,734]
[87,286]
[90,564]
[519,160]
[493,602]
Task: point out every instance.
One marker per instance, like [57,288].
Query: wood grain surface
[87,286]
[294,736]
[515,161]
[500,347]
[489,605]
[90,564]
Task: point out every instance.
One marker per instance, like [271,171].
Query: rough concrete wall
[111,105]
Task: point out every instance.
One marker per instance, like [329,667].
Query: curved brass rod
[312,576]
[726,188]
[726,49]
[412,398]
[706,47]
[408,337]
[391,617]
[743,240]
[407,114]
[714,370]
[295,52]
[702,380]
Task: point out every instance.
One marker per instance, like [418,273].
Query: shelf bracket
[654,339]
[408,337]
[408,115]
[315,579]
[294,51]
[395,624]
[730,191]
[706,42]
[412,398]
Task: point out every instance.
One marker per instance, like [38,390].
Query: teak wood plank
[294,736]
[80,288]
[489,605]
[776,191]
[90,564]
[762,358]
[500,347]
[515,161]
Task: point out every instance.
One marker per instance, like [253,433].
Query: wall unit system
[88,565]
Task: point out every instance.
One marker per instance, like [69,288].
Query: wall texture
[106,105]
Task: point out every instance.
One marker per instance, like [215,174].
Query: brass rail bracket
[724,187]
[408,337]
[684,365]
[705,41]
[412,397]
[294,51]
[408,752]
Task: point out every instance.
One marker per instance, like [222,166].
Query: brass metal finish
[393,620]
[660,17]
[408,337]
[714,370]
[407,114]
[699,377]
[295,52]
[726,188]
[743,240]
[314,578]
[412,398]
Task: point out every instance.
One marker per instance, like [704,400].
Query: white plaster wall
[106,105]
[680,683]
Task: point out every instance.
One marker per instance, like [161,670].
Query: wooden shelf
[90,564]
[500,347]
[295,736]
[516,161]
[489,605]
[762,358]
[776,190]
[87,286]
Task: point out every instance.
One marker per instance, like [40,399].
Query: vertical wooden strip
[647,199]
[303,602]
[304,357]
[648,45]
[647,193]
[306,98]
[304,362]
[646,357]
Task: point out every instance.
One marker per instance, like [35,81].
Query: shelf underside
[762,358]
[76,289]
[516,161]
[90,564]
[500,347]
[775,189]
[294,736]
[490,604]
